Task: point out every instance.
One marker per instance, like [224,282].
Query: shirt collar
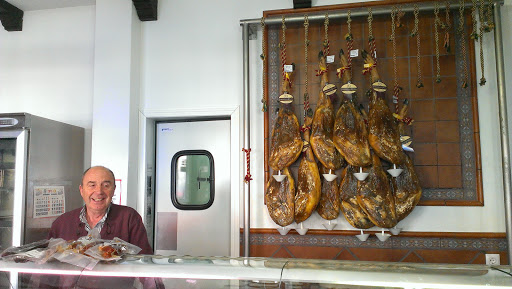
[101,222]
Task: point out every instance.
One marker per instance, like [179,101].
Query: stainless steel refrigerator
[41,163]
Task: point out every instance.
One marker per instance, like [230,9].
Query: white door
[192,198]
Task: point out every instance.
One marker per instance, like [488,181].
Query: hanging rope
[396,89]
[371,43]
[447,27]
[437,22]
[286,76]
[414,33]
[481,15]
[463,44]
[350,45]
[263,58]
[306,46]
[248,176]
[326,43]
[489,17]
[399,16]
[474,34]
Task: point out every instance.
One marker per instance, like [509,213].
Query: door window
[192,180]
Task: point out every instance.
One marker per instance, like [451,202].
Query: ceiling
[30,5]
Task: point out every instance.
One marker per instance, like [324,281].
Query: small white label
[354,53]
[375,54]
[329,59]
[288,68]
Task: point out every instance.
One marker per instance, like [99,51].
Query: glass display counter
[213,272]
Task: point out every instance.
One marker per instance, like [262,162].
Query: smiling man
[99,217]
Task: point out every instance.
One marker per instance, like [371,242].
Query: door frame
[146,165]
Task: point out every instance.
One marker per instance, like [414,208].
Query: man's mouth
[97,199]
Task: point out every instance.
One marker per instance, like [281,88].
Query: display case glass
[212,272]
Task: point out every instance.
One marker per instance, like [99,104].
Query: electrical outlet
[492,259]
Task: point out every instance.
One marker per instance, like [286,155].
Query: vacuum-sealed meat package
[112,250]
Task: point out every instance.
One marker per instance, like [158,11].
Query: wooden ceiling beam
[146,9]
[11,16]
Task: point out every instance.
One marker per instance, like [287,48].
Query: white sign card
[354,53]
[329,59]
[288,68]
[49,201]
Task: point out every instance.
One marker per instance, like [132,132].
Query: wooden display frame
[474,197]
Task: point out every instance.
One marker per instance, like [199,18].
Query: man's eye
[91,185]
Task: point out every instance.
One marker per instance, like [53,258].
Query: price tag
[354,53]
[288,68]
[329,59]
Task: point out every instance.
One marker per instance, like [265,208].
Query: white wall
[191,60]
[47,69]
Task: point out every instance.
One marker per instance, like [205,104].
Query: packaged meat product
[39,254]
[20,249]
[112,250]
[77,259]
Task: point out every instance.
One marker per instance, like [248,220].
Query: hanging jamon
[323,118]
[285,148]
[308,180]
[350,134]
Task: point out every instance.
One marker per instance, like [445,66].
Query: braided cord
[326,35]
[481,15]
[436,37]
[463,44]
[489,17]
[414,33]
[474,34]
[283,47]
[371,40]
[350,45]
[263,58]
[306,45]
[395,70]
[248,176]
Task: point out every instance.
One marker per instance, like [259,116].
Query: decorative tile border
[466,130]
[395,242]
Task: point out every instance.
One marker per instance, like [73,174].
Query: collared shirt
[98,226]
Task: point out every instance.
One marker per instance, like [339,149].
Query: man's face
[97,189]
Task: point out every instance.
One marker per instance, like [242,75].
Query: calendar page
[48,201]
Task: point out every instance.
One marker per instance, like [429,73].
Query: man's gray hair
[109,170]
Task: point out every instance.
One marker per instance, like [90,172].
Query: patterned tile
[395,249]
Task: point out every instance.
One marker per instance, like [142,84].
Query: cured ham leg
[384,136]
[375,197]
[350,134]
[279,197]
[285,141]
[322,127]
[329,205]
[309,183]
[407,189]
[354,214]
